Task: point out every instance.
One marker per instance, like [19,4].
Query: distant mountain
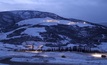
[19,26]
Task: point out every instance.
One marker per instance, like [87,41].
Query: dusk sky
[90,10]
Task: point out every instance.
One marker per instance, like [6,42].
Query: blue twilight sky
[90,10]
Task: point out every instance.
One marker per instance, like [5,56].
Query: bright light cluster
[52,21]
[96,55]
[72,23]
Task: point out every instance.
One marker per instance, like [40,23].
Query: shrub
[103,56]
[63,56]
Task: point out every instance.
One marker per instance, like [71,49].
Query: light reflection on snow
[34,51]
[52,20]
[72,23]
[96,55]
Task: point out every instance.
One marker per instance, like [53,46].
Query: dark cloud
[90,10]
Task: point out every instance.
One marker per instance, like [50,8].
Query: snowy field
[74,58]
[49,21]
[67,58]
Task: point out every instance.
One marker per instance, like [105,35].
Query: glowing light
[52,21]
[34,51]
[71,23]
[84,23]
[97,55]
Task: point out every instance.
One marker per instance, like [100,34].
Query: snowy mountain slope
[12,17]
[48,27]
[49,21]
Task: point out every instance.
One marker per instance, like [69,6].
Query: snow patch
[103,46]
[3,36]
[34,31]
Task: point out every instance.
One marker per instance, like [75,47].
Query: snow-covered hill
[20,26]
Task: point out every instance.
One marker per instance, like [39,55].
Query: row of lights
[52,21]
[70,23]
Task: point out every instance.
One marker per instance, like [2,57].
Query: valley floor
[51,58]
